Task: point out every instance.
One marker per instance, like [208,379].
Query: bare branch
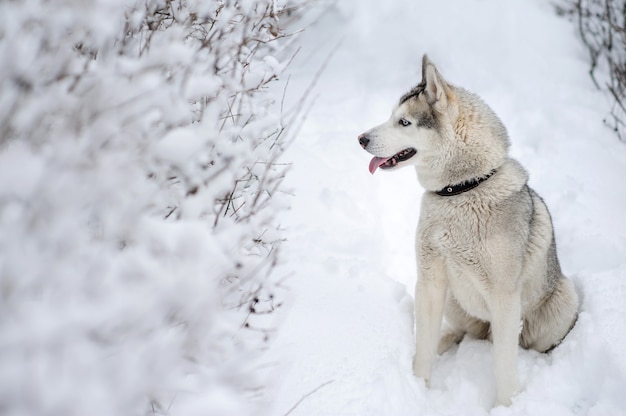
[312,392]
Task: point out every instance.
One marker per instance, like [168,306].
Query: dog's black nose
[363,141]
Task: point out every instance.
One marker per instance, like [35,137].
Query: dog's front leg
[430,293]
[505,329]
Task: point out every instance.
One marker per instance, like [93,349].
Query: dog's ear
[436,88]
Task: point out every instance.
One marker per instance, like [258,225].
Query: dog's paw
[447,340]
[502,403]
[420,372]
[504,397]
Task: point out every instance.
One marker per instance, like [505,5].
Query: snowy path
[346,345]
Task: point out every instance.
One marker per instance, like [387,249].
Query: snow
[346,344]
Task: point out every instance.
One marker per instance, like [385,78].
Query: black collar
[452,190]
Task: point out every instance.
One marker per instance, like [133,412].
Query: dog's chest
[460,240]
[461,237]
[469,287]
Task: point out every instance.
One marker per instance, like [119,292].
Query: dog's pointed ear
[435,87]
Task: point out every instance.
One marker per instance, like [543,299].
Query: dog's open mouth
[390,162]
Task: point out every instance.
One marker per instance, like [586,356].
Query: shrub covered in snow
[602,28]
[139,192]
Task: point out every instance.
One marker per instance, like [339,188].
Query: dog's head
[447,133]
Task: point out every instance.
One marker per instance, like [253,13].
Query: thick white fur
[487,257]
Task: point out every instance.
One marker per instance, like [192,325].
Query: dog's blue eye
[404,122]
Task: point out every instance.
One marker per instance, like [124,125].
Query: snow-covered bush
[602,28]
[139,201]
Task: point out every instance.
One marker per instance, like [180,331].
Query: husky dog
[485,245]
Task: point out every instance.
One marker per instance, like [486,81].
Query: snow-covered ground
[346,345]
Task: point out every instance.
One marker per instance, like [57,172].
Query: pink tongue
[376,162]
